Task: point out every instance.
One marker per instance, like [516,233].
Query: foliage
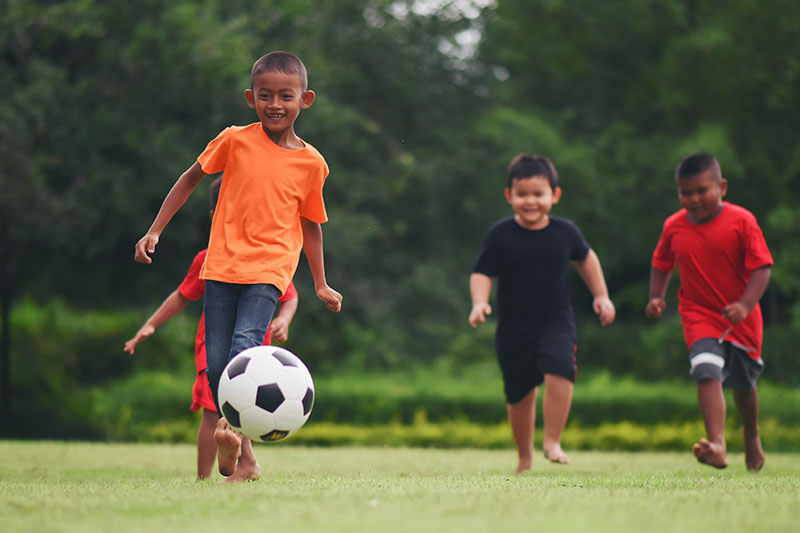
[607,436]
[419,107]
[59,354]
[379,410]
[79,383]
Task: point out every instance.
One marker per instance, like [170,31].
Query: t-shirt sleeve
[580,248]
[488,260]
[215,156]
[312,206]
[663,255]
[192,287]
[757,253]
[290,294]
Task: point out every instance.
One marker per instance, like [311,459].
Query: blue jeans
[237,318]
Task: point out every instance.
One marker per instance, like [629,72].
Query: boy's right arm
[170,307]
[480,288]
[659,281]
[176,197]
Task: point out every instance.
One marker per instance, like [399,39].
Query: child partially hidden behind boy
[724,266]
[536,338]
[192,288]
[270,207]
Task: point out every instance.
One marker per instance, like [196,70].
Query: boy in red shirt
[270,208]
[192,288]
[724,266]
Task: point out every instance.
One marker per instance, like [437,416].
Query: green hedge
[428,408]
[476,394]
[421,432]
[65,361]
[70,379]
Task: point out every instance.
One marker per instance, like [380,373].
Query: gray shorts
[725,362]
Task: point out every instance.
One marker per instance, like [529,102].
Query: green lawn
[86,487]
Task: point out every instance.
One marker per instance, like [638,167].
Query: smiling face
[278,98]
[701,195]
[532,198]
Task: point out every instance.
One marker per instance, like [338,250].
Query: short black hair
[697,164]
[285,62]
[213,192]
[527,166]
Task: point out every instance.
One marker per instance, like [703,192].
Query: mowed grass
[86,487]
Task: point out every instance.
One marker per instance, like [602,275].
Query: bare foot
[245,471]
[710,453]
[753,454]
[524,465]
[229,445]
[555,454]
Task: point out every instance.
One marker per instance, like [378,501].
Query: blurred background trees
[420,106]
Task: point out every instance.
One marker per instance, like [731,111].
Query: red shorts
[201,393]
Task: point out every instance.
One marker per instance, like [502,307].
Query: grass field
[87,487]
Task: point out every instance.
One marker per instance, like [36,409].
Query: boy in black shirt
[536,338]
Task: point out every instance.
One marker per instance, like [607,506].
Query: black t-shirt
[530,267]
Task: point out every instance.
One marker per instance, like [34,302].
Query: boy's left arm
[312,246]
[753,291]
[592,274]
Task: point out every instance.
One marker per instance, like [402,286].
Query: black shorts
[725,362]
[547,352]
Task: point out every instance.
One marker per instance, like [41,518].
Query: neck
[709,219]
[539,225]
[285,138]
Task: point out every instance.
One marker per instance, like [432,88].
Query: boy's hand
[735,312]
[604,309]
[478,314]
[142,334]
[280,329]
[332,299]
[655,307]
[146,245]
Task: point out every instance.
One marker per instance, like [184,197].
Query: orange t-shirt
[255,234]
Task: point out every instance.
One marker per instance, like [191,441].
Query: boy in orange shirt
[270,207]
[191,289]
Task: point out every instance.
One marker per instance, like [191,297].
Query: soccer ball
[266,393]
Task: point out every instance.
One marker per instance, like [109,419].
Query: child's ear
[723,188]
[306,99]
[556,195]
[507,192]
[250,97]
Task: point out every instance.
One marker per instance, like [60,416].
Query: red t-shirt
[715,260]
[193,287]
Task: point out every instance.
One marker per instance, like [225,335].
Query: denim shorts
[237,318]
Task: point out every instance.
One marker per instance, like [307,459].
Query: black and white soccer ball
[266,393]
